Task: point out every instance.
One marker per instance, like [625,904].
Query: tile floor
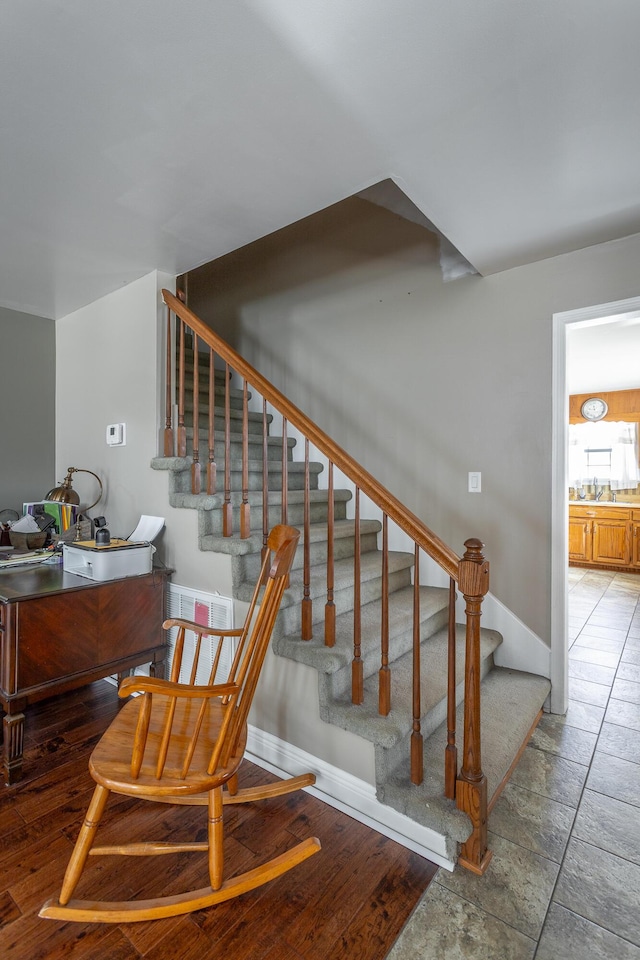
[564,881]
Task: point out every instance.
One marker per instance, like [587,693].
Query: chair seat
[110,766]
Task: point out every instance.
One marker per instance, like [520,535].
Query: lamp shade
[65,492]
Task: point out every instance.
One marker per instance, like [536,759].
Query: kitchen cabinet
[635,538]
[580,537]
[605,535]
[611,541]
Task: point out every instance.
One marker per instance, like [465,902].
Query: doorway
[622,311]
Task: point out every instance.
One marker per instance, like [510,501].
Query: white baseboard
[521,648]
[353,796]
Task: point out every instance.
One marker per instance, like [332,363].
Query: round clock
[594,409]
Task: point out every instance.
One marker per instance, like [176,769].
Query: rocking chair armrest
[200,628]
[140,684]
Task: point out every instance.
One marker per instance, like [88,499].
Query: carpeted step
[334,663]
[343,546]
[510,703]
[290,616]
[389,732]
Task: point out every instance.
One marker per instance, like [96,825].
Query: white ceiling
[604,356]
[142,134]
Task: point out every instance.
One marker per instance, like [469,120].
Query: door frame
[602,313]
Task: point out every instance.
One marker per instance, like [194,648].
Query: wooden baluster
[182,430]
[227,513]
[330,607]
[196,479]
[357,668]
[417,755]
[245,517]
[285,472]
[471,788]
[169,442]
[384,676]
[307,608]
[212,469]
[265,483]
[451,750]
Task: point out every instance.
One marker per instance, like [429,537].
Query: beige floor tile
[602,888]
[516,887]
[626,690]
[623,713]
[554,736]
[598,643]
[615,778]
[551,776]
[618,741]
[566,936]
[588,692]
[597,655]
[628,671]
[533,821]
[586,716]
[592,672]
[445,925]
[609,824]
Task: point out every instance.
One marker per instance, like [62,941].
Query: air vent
[210,610]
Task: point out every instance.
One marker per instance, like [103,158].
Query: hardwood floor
[351,899]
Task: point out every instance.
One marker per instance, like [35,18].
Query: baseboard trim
[521,648]
[347,793]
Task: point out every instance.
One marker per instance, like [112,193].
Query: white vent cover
[210,610]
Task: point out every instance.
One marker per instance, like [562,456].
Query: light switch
[475,482]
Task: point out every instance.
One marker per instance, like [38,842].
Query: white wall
[110,370]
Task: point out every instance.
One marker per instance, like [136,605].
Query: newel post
[471,789]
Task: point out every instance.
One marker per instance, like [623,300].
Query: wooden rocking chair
[182,743]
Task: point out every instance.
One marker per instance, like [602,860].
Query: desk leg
[157,665]
[13,730]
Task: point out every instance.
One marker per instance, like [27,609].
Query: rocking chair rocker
[183,743]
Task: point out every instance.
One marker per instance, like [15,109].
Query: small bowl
[27,541]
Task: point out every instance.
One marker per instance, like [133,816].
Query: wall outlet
[116,434]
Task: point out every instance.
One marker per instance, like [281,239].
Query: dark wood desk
[59,631]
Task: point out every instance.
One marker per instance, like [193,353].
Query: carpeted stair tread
[510,703]
[329,660]
[365,720]
[370,569]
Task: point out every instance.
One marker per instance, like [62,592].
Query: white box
[120,558]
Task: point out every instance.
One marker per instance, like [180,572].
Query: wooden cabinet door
[611,542]
[635,544]
[579,538]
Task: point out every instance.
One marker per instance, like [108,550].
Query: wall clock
[594,409]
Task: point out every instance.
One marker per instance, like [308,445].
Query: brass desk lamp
[66,494]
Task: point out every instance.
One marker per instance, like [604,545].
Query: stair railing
[469,573]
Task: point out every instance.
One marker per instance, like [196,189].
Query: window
[607,451]
[598,461]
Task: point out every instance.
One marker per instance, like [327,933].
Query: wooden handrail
[426,539]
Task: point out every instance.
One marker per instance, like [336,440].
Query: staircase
[363,602]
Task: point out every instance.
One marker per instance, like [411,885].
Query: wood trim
[622,404]
[514,763]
